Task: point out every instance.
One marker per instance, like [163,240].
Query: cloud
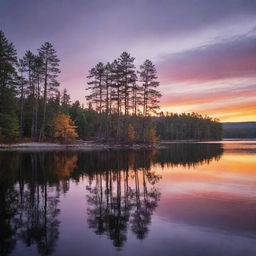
[208,96]
[226,60]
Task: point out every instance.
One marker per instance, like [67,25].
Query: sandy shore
[83,146]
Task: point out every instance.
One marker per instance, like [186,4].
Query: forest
[122,102]
[245,130]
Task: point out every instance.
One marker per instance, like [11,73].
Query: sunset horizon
[204,52]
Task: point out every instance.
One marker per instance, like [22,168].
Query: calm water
[188,199]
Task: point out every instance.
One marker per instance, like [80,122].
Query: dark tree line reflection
[189,154]
[123,196]
[30,186]
[122,191]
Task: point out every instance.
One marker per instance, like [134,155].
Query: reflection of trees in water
[121,185]
[121,197]
[185,154]
[29,198]
[8,202]
[8,210]
[189,154]
[121,188]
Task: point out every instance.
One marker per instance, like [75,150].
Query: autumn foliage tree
[131,134]
[63,127]
[150,136]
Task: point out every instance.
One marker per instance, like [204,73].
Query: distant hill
[239,125]
[239,129]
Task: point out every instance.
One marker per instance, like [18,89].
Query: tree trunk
[21,109]
[41,136]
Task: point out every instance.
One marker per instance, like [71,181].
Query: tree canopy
[63,127]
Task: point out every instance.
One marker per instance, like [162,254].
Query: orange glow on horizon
[233,112]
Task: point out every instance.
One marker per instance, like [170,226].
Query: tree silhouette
[114,202]
[50,71]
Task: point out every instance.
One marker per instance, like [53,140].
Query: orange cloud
[195,98]
[244,109]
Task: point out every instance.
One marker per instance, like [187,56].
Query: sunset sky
[204,51]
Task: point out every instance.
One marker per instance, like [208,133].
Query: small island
[122,105]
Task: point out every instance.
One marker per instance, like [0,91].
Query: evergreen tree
[188,126]
[80,116]
[50,69]
[151,96]
[136,98]
[65,100]
[127,77]
[96,87]
[116,87]
[38,77]
[21,82]
[27,64]
[8,61]
[9,126]
[108,85]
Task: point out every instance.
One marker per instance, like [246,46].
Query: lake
[186,199]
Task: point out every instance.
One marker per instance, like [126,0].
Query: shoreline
[93,145]
[82,146]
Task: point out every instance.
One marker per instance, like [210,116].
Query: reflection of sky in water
[206,209]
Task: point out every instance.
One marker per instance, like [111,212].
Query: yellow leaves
[131,133]
[63,165]
[63,127]
[151,136]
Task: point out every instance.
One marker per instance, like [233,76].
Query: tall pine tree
[151,96]
[9,126]
[127,78]
[50,70]
[96,87]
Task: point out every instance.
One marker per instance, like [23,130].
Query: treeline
[28,89]
[188,126]
[121,102]
[124,99]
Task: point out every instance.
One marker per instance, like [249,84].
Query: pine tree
[21,82]
[96,87]
[116,87]
[127,78]
[65,100]
[50,69]
[26,66]
[151,96]
[108,85]
[136,98]
[79,116]
[9,126]
[8,61]
[38,77]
